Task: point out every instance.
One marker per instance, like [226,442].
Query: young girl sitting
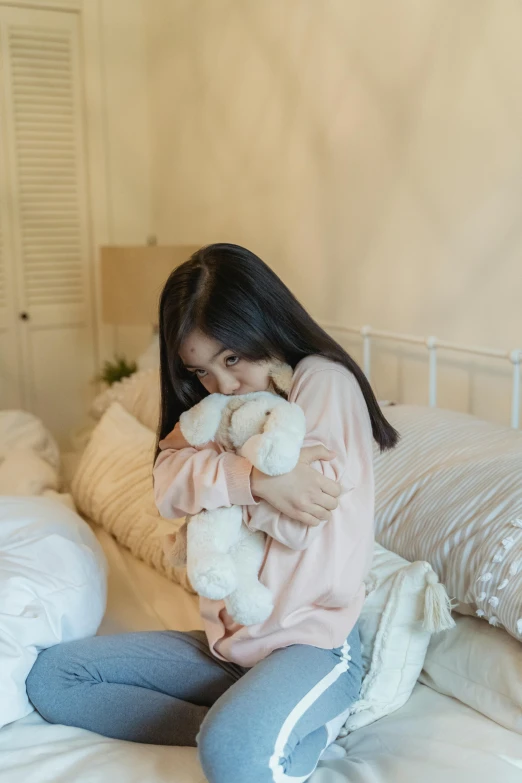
[262,703]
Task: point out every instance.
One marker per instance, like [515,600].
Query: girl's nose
[228,385]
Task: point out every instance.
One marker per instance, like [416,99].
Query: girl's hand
[304,495]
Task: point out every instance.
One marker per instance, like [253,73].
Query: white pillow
[23,472]
[52,589]
[113,487]
[20,430]
[139,394]
[480,666]
[451,494]
[395,633]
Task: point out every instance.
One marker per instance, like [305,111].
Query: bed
[433,737]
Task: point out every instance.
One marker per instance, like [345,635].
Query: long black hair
[229,294]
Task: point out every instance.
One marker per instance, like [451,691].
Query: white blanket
[52,569]
[52,589]
[431,739]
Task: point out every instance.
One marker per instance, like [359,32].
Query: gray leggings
[266,724]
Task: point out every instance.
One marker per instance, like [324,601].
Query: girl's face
[219,369]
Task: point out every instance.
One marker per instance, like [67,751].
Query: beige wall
[369,150]
[117,118]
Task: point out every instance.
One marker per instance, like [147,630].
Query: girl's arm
[188,480]
[337,418]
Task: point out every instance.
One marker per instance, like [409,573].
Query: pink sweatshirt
[316,574]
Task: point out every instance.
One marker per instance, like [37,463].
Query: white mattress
[432,739]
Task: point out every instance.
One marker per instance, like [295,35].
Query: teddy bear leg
[210,568]
[251,602]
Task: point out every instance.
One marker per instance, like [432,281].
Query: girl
[262,703]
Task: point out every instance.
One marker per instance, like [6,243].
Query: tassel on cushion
[437,606]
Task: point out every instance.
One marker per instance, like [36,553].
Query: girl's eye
[232,360]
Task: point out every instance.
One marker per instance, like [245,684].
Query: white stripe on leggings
[278,774]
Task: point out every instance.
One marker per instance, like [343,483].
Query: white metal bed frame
[433,345]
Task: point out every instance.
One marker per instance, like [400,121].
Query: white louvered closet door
[10,364]
[47,212]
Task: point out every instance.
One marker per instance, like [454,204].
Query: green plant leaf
[114,371]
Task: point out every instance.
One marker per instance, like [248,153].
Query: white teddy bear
[223,556]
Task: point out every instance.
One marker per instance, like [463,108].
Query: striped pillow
[451,494]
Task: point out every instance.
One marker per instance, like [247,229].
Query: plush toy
[222,555]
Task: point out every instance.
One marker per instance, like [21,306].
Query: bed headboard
[436,349]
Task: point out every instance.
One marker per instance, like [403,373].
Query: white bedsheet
[432,739]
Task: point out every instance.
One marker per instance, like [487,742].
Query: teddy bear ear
[200,424]
[281,375]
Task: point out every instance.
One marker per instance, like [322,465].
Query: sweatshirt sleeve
[188,480]
[337,418]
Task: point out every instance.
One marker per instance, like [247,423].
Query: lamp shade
[132,279]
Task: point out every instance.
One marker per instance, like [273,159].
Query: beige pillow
[480,666]
[451,494]
[113,487]
[139,394]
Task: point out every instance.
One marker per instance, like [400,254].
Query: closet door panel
[11,395]
[51,221]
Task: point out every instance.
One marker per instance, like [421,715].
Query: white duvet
[53,578]
[52,589]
